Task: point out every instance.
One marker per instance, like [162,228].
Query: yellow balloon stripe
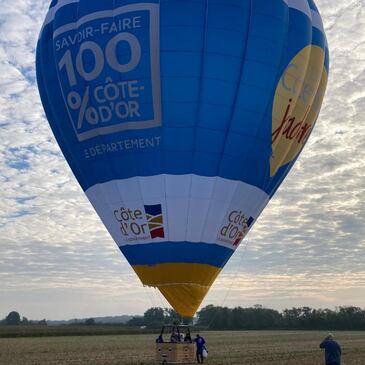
[186,299]
[184,285]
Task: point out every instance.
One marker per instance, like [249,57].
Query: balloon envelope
[180,119]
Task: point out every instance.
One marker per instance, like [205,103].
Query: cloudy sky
[308,248]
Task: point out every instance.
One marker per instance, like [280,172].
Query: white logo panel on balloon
[177,208]
[107,85]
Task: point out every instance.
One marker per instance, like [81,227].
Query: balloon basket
[176,346]
[175,353]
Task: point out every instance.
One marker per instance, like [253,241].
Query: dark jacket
[332,352]
[200,342]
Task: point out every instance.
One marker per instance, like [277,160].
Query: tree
[136,322]
[13,319]
[352,318]
[90,322]
[154,317]
[291,317]
[171,316]
[206,315]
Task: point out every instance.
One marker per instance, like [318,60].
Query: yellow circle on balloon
[297,102]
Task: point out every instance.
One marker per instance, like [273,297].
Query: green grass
[225,348]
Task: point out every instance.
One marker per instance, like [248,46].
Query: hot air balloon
[180,119]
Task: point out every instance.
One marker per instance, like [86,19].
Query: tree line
[302,318]
[14,319]
[253,318]
[259,318]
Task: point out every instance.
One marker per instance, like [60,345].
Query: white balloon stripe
[52,11]
[301,5]
[173,212]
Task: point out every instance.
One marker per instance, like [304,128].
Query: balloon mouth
[184,285]
[184,298]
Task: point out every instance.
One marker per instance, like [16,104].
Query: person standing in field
[199,342]
[332,350]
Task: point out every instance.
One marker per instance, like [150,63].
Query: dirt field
[233,348]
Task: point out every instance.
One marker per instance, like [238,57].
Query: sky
[57,261]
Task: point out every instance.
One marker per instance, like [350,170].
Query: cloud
[308,246]
[318,290]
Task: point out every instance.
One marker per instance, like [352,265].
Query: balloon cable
[159,295]
[231,282]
